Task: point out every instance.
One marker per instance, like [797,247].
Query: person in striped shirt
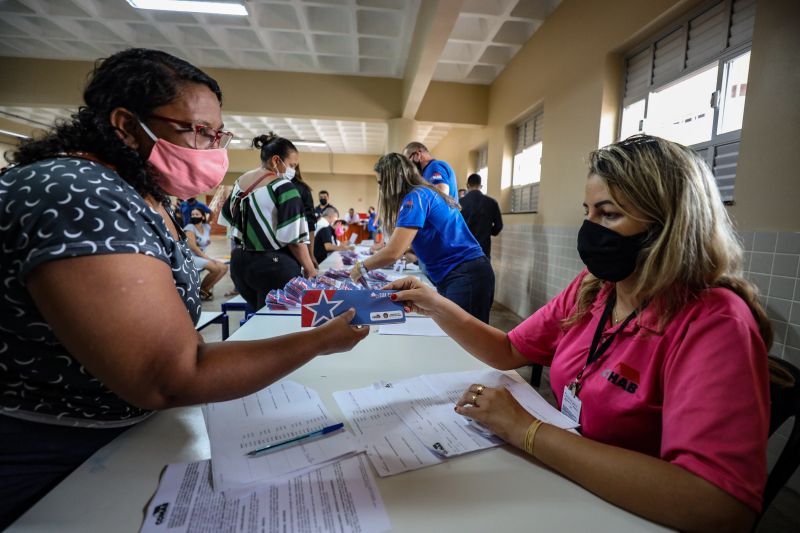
[266,211]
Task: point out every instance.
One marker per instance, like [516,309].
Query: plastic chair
[784,390]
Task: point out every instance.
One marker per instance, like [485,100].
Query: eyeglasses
[205,137]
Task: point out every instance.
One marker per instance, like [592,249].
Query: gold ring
[480,389]
[475,400]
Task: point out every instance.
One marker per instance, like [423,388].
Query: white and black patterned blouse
[53,209]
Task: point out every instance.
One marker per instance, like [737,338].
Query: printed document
[409,424]
[275,414]
[392,447]
[340,497]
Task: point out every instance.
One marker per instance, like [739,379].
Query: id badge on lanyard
[570,403]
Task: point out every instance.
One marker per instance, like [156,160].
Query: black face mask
[607,254]
[323,201]
[195,220]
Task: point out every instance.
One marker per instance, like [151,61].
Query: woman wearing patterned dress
[99,294]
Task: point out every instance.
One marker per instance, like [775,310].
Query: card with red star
[372,307]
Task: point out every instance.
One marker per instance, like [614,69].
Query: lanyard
[597,350]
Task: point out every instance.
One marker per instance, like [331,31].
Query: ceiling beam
[435,22]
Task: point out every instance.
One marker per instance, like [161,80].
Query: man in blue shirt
[437,173]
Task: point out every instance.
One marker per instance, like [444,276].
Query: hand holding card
[372,307]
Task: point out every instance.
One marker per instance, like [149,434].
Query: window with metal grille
[689,85]
[527,165]
[482,165]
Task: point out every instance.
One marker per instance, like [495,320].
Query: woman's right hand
[415,295]
[338,335]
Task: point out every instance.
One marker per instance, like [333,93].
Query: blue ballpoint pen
[301,439]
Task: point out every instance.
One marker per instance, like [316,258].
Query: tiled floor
[782,516]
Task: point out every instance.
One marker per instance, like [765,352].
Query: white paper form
[340,497]
[432,419]
[414,326]
[280,412]
[453,385]
[533,402]
[391,446]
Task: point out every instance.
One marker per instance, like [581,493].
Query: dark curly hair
[137,79]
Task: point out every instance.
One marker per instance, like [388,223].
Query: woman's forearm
[382,258]
[650,487]
[400,242]
[483,341]
[300,252]
[224,371]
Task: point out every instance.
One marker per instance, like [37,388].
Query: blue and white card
[372,307]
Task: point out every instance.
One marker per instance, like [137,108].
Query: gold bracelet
[530,435]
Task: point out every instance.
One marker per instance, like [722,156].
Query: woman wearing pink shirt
[659,350]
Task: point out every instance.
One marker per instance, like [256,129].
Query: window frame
[482,156]
[525,198]
[728,53]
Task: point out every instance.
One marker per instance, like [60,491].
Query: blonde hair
[691,244]
[398,176]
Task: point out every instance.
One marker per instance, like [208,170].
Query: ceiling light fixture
[192,6]
[318,144]
[13,134]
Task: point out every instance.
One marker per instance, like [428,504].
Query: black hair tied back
[271,145]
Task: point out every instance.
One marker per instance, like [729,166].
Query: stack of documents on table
[410,423]
[280,412]
[339,497]
[317,484]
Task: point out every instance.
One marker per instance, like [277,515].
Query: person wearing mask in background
[308,209]
[101,296]
[437,173]
[325,240]
[482,214]
[198,237]
[423,218]
[659,351]
[323,203]
[461,193]
[339,229]
[192,203]
[266,209]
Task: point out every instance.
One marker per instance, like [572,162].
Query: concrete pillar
[401,132]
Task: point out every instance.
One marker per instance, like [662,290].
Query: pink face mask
[186,172]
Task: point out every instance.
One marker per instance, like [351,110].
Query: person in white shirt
[352,217]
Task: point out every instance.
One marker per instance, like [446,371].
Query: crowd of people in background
[271,217]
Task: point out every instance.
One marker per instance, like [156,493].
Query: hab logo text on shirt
[623,376]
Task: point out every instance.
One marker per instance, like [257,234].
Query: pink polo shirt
[696,395]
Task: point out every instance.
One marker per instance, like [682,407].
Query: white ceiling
[360,37]
[342,136]
[365,37]
[487,35]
